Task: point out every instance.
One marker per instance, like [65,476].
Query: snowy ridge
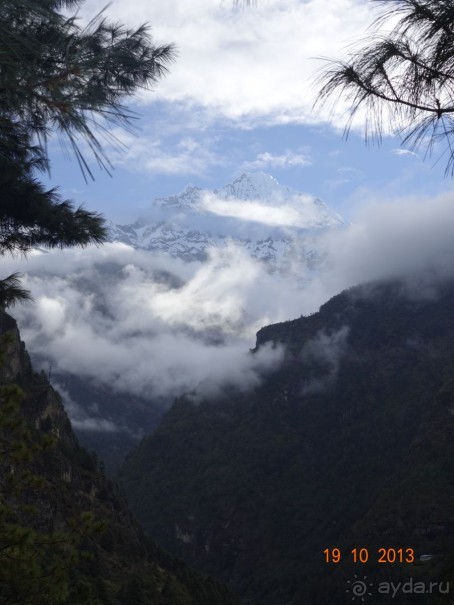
[272,222]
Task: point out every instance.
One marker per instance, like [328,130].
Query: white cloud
[110,314]
[155,326]
[401,237]
[289,159]
[150,154]
[301,212]
[188,157]
[246,65]
[404,152]
[214,297]
[251,211]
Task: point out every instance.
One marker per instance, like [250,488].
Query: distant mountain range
[272,222]
[344,441]
[253,217]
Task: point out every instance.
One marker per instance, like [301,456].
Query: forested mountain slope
[66,534]
[348,444]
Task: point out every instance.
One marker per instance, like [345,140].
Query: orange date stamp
[363,555]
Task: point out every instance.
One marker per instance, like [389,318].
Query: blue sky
[239,97]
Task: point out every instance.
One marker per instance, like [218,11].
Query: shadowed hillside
[66,534]
[348,444]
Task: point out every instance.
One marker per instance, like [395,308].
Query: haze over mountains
[67,535]
[335,430]
[348,443]
[123,330]
[172,304]
[269,221]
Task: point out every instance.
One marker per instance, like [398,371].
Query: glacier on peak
[271,222]
[253,185]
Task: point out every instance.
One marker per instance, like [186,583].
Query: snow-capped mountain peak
[253,186]
[274,223]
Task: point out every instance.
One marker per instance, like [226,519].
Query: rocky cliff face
[119,564]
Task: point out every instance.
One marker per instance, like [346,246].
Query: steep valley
[66,533]
[347,444]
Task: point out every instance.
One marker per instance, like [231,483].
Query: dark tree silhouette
[54,75]
[403,80]
[57,77]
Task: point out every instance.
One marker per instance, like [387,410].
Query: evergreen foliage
[405,77]
[66,534]
[30,216]
[57,77]
[35,556]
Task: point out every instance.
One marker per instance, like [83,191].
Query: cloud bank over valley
[156,326]
[115,315]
